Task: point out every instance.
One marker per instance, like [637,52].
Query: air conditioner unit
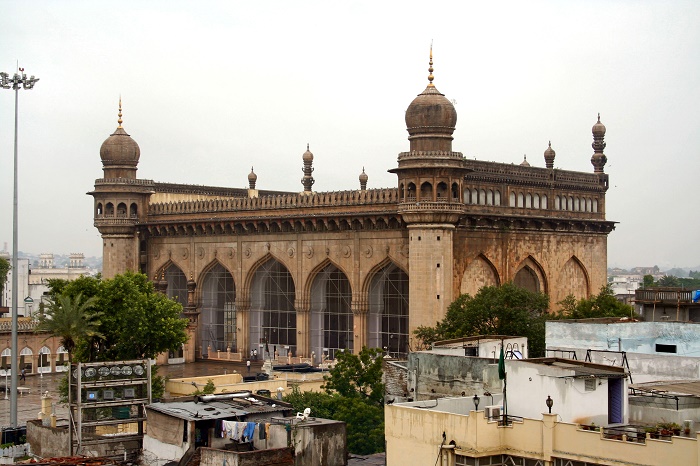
[493,412]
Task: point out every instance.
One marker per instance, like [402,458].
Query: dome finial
[430,68]
[120,112]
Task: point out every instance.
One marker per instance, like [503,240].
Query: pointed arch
[330,299]
[177,282]
[44,360]
[387,316]
[248,282]
[530,275]
[574,279]
[217,318]
[273,317]
[479,273]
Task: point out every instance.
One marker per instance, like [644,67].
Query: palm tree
[67,318]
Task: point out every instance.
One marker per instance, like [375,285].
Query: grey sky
[212,88]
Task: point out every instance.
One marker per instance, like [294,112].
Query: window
[660,348]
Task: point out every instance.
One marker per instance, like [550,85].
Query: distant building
[667,304]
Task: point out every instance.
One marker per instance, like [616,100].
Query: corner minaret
[549,155]
[308,180]
[599,159]
[120,203]
[430,179]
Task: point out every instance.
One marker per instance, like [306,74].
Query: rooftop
[191,410]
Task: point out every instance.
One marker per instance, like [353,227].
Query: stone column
[359,308]
[303,308]
[192,313]
[242,324]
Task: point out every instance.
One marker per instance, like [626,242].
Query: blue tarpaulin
[696,296]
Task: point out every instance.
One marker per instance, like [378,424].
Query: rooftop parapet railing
[288,201]
[664,296]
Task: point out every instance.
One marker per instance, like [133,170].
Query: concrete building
[651,351]
[23,307]
[177,429]
[316,272]
[667,304]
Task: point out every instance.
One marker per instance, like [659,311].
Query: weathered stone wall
[47,441]
[432,376]
[273,457]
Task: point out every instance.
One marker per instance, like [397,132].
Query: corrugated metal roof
[191,411]
[675,387]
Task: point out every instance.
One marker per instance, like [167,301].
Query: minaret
[252,178]
[430,178]
[307,180]
[363,180]
[599,159]
[549,155]
[120,201]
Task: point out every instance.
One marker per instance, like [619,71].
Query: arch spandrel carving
[479,273]
[574,279]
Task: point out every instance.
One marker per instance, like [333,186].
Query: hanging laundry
[249,431]
[261,431]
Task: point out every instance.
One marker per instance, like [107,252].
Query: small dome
[308,156]
[120,149]
[431,112]
[549,155]
[252,176]
[363,176]
[524,163]
[599,128]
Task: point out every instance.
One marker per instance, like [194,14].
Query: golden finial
[430,68]
[120,112]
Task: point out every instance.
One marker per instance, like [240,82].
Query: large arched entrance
[331,315]
[217,319]
[273,320]
[388,311]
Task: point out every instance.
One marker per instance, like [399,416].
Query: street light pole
[14,82]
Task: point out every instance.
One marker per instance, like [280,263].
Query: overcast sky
[212,88]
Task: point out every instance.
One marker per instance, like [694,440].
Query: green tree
[4,269]
[69,319]
[135,320]
[364,420]
[668,280]
[648,281]
[357,375]
[494,310]
[604,304]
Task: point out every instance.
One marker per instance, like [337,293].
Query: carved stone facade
[312,273]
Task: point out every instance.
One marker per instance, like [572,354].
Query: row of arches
[440,192]
[528,200]
[572,278]
[43,362]
[108,210]
[576,204]
[273,317]
[482,196]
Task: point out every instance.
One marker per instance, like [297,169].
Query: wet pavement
[29,402]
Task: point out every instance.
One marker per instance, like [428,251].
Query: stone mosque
[311,273]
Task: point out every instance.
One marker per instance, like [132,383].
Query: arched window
[544,202]
[455,192]
[411,192]
[520,200]
[402,194]
[442,191]
[25,360]
[99,210]
[595,205]
[557,203]
[536,201]
[388,311]
[475,196]
[217,320]
[177,284]
[489,197]
[577,204]
[589,205]
[133,210]
[426,192]
[61,359]
[331,313]
[512,200]
[570,203]
[44,360]
[273,318]
[528,201]
[482,197]
[497,198]
[6,360]
[121,210]
[109,209]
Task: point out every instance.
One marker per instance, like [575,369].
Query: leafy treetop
[4,269]
[357,375]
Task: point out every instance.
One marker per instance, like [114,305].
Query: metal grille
[218,311]
[331,314]
[273,316]
[177,284]
[388,311]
